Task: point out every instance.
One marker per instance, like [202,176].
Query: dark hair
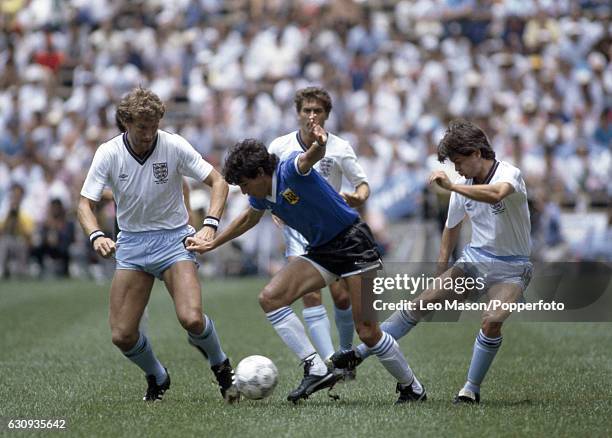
[317,93]
[464,138]
[139,103]
[245,159]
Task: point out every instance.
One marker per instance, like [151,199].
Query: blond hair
[140,103]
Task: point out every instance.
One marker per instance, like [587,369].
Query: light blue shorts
[476,262]
[295,243]
[153,251]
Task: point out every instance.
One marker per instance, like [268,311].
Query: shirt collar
[272,197]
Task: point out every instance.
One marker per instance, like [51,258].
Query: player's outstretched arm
[218,197]
[102,244]
[315,152]
[489,193]
[243,223]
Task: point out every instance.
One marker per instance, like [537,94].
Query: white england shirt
[340,158]
[502,229]
[148,190]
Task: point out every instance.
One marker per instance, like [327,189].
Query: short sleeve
[511,175]
[191,163]
[289,167]
[351,168]
[274,147]
[97,176]
[456,210]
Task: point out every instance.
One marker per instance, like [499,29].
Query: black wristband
[211,221]
[96,234]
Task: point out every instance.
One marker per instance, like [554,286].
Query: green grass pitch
[57,361]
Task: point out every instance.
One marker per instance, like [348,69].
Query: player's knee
[123,339]
[369,333]
[491,328]
[192,321]
[312,299]
[270,300]
[342,301]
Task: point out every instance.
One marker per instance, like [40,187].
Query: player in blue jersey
[340,162]
[340,246]
[492,195]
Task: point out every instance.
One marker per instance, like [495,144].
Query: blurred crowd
[536,75]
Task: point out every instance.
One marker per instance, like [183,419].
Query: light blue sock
[318,326]
[345,327]
[397,325]
[209,342]
[142,355]
[485,349]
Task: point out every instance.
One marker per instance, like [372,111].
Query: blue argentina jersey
[307,203]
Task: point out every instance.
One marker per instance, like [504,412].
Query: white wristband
[93,236]
[210,221]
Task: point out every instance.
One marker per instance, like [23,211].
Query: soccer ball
[256,377]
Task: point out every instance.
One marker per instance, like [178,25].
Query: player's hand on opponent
[205,234]
[440,178]
[196,244]
[104,246]
[352,199]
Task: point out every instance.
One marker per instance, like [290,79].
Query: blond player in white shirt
[313,105]
[492,195]
[144,168]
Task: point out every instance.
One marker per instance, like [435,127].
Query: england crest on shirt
[160,172]
[325,166]
[498,207]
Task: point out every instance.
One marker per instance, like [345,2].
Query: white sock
[319,328]
[290,329]
[397,325]
[393,360]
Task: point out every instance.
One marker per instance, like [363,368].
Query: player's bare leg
[130,291]
[183,285]
[297,278]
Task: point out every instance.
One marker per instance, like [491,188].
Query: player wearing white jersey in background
[313,105]
[144,168]
[492,195]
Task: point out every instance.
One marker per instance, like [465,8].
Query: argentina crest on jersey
[290,196]
[160,173]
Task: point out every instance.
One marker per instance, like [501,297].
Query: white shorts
[295,243]
[476,262]
[153,251]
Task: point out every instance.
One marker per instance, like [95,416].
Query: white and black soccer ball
[256,377]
